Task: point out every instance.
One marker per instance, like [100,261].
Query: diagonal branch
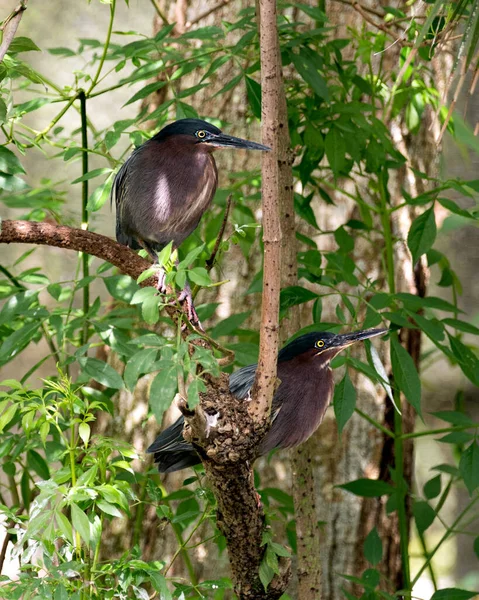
[10,26]
[227,449]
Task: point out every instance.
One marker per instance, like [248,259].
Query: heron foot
[161,285]
[186,297]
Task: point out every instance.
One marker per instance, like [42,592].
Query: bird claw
[161,285]
[186,297]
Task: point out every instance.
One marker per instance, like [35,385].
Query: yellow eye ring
[319,344]
[201,134]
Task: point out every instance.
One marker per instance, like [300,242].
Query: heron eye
[319,344]
[201,134]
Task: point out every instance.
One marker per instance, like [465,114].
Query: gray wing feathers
[241,381]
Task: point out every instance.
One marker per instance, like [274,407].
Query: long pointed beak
[346,339]
[228,141]
[342,341]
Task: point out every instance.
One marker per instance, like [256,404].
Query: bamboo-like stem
[84,212]
[105,47]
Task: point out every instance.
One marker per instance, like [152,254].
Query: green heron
[166,185]
[299,403]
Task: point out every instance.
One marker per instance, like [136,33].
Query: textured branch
[223,430]
[69,238]
[270,85]
[10,26]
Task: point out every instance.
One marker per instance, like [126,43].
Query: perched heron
[166,185]
[299,403]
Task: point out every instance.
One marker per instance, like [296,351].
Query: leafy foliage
[66,481]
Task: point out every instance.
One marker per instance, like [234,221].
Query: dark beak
[342,341]
[228,141]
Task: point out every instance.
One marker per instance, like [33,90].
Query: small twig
[159,12]
[229,354]
[10,26]
[211,260]
[207,13]
[7,538]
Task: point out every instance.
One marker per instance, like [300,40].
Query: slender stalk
[84,212]
[182,548]
[425,554]
[375,423]
[96,556]
[55,120]
[398,440]
[444,538]
[416,434]
[105,47]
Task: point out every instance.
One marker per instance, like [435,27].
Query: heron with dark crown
[299,402]
[163,189]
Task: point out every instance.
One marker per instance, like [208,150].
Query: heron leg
[185,296]
[161,285]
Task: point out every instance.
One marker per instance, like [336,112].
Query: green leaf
[229,325]
[469,466]
[373,548]
[466,358]
[163,389]
[22,44]
[16,342]
[253,90]
[146,91]
[92,175]
[60,51]
[84,432]
[60,592]
[461,325]
[64,526]
[454,208]
[9,162]
[165,254]
[100,195]
[453,594]
[344,402]
[139,364]
[3,112]
[455,418]
[7,416]
[433,328]
[80,522]
[109,509]
[335,148]
[432,488]
[308,71]
[199,275]
[476,547]
[424,515]
[422,234]
[293,295]
[102,372]
[37,463]
[194,389]
[191,257]
[266,573]
[405,374]
[368,488]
